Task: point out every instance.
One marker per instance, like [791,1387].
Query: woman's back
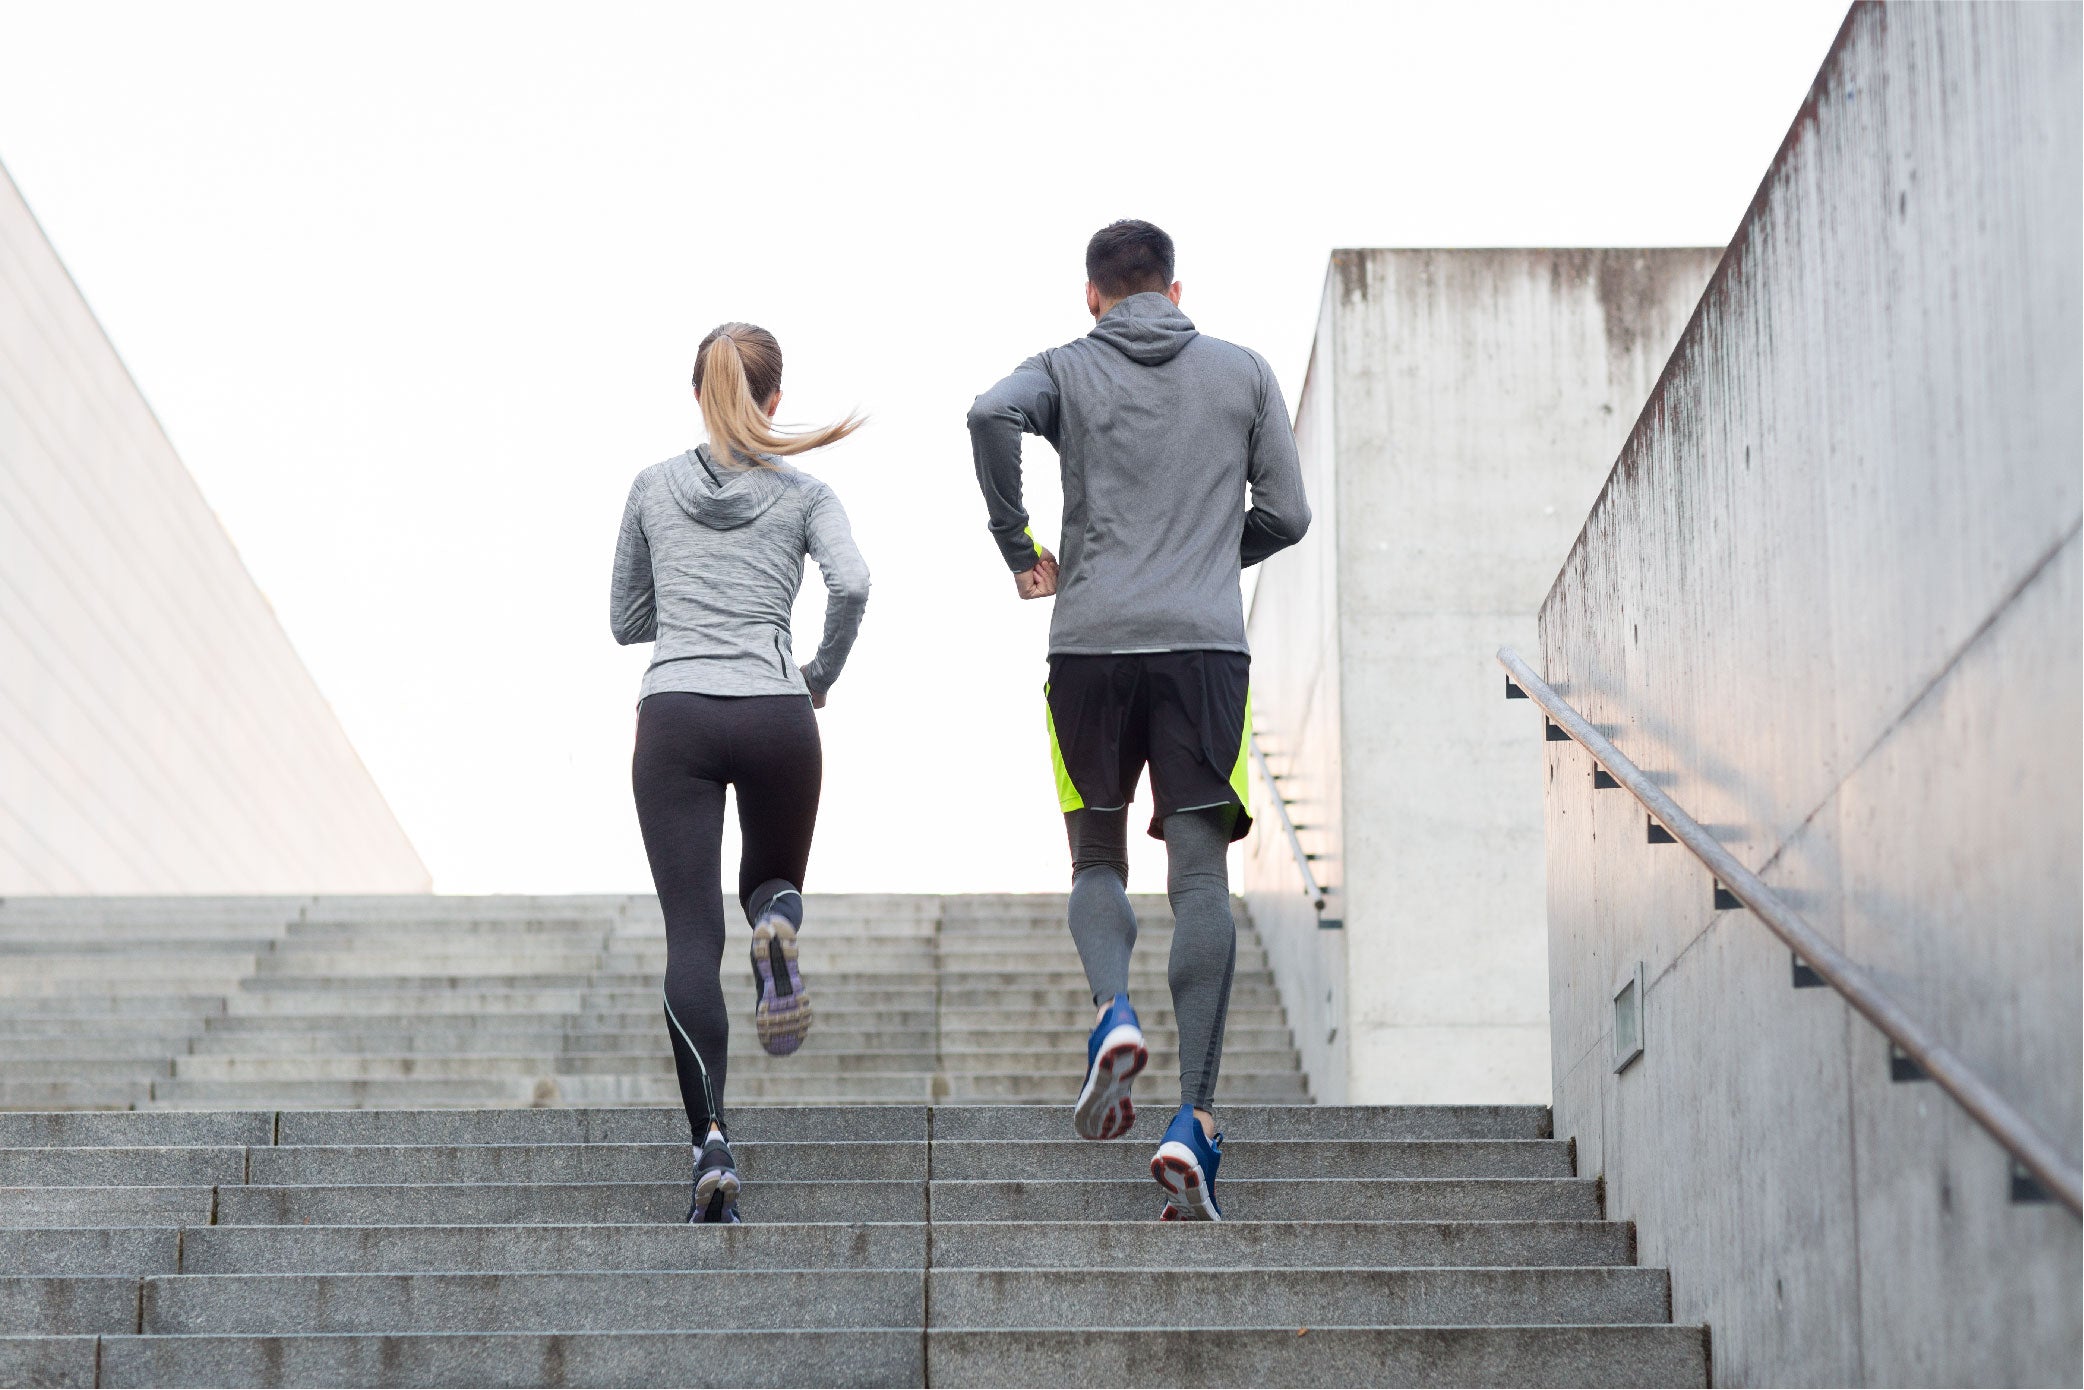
[708,566]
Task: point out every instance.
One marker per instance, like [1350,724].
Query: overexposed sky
[415,289]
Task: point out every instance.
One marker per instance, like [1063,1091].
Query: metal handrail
[1311,887]
[1982,1102]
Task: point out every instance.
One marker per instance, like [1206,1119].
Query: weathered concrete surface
[1830,598]
[158,733]
[1486,1263]
[1461,410]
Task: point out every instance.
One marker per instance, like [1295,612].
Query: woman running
[707,568]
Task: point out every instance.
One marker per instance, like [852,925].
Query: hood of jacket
[1146,328]
[722,498]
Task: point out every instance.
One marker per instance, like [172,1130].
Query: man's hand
[1040,581]
[817,698]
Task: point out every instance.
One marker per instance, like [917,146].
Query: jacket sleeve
[1024,403]
[830,541]
[632,603]
[1279,514]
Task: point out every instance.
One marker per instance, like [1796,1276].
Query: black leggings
[689,747]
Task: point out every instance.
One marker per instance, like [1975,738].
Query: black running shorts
[1187,714]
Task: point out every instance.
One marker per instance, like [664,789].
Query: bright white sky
[415,289]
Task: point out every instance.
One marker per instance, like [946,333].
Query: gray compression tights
[1204,938]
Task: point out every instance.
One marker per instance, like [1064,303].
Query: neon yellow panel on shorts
[1240,773]
[1067,797]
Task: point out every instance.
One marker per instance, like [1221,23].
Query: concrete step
[560,1204]
[437,1249]
[1266,1088]
[76,1129]
[655,1125]
[791,1160]
[1474,1356]
[1129,1199]
[546,1088]
[495,1090]
[69,1028]
[1076,1016]
[572,1301]
[1247,1297]
[795,1356]
[1273,1160]
[1314,1199]
[424,962]
[476,1003]
[73,1095]
[755,1088]
[668,1125]
[656,1062]
[1237,1038]
[1200,1246]
[83,1069]
[1311,1353]
[111,992]
[1068,1059]
[879,1245]
[74,1250]
[68,1305]
[408,1039]
[30,1208]
[832,1014]
[151,1046]
[1251,1123]
[140,953]
[108,1165]
[1069,995]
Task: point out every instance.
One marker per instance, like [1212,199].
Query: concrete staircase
[420,1001]
[268,1242]
[892,1245]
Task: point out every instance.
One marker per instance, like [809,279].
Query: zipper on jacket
[780,658]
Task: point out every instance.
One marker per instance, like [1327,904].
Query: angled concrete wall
[1461,410]
[1830,599]
[158,734]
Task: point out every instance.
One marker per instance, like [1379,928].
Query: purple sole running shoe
[783,1015]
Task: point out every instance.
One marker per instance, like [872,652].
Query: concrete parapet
[1460,412]
[1830,600]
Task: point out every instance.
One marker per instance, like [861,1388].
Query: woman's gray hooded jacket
[708,565]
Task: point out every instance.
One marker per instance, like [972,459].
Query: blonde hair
[738,368]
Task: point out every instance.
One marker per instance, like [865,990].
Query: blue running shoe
[716,1185]
[1113,1056]
[782,1016]
[1185,1166]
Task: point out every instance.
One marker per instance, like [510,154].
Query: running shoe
[1185,1166]
[716,1184]
[1114,1055]
[782,1015]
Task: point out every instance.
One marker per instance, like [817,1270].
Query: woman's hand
[817,698]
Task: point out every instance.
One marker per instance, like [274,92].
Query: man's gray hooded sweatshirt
[1161,430]
[708,565]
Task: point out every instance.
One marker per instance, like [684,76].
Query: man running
[1161,430]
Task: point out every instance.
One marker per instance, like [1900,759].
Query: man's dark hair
[1129,257]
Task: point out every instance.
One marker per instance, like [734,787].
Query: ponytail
[737,369]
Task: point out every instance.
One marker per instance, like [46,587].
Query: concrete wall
[1830,597]
[1461,411]
[1294,630]
[158,733]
